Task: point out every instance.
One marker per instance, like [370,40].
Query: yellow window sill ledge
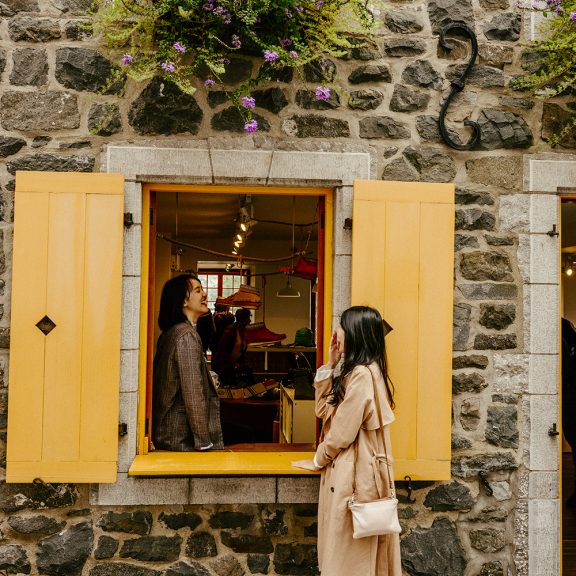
[219,464]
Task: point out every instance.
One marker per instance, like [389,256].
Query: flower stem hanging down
[184,40]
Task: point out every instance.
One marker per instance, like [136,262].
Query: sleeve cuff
[323,373]
[318,467]
[203,448]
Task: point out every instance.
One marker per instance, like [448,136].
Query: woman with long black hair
[353,433]
[185,403]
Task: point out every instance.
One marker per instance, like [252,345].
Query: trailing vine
[553,58]
[191,42]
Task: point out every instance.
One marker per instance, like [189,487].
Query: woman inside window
[185,406]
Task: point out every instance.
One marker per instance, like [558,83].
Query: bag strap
[378,410]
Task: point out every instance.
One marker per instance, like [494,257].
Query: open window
[263,249]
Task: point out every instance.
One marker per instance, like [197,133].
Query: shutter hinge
[122,429]
[348,224]
[553,232]
[128,220]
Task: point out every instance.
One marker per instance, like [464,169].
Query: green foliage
[551,61]
[186,39]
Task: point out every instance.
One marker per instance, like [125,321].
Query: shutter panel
[64,385]
[403,265]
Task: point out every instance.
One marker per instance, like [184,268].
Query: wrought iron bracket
[409,489]
[458,86]
[485,483]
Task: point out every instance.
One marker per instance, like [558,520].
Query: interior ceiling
[192,217]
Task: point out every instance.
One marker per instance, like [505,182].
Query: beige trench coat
[354,419]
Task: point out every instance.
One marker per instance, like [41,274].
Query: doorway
[568,378]
[262,250]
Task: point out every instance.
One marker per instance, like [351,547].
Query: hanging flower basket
[191,42]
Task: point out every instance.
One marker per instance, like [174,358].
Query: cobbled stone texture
[307,99]
[201,545]
[152,548]
[316,72]
[370,73]
[365,99]
[271,99]
[474,219]
[502,427]
[181,520]
[462,241]
[554,119]
[383,127]
[231,120]
[492,569]
[422,74]
[13,560]
[448,558]
[162,108]
[30,111]
[295,559]
[461,326]
[187,569]
[29,67]
[86,70]
[30,29]
[15,497]
[495,342]
[243,543]
[408,99]
[472,361]
[122,569]
[403,22]
[470,414]
[10,145]
[448,497]
[314,126]
[497,316]
[481,76]
[104,119]
[466,383]
[106,548]
[503,130]
[258,563]
[442,12]
[227,565]
[504,27]
[35,524]
[129,522]
[486,266]
[487,539]
[403,47]
[469,466]
[65,554]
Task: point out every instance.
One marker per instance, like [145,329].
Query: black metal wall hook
[458,86]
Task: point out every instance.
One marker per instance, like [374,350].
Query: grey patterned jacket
[186,407]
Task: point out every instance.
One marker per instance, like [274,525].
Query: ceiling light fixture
[288,291]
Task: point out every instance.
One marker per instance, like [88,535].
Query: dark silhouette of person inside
[569,395]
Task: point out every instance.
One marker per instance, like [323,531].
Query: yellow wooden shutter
[403,265]
[63,386]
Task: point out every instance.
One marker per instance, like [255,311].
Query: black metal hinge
[128,220]
[122,429]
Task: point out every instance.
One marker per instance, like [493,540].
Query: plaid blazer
[185,404]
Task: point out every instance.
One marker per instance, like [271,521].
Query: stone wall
[55,116]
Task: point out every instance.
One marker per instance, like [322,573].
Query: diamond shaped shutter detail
[65,328]
[403,265]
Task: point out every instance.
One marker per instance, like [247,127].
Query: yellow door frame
[147,190]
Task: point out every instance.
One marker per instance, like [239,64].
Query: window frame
[225,463]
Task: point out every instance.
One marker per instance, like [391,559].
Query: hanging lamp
[288,291]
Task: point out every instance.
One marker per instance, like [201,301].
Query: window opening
[258,243]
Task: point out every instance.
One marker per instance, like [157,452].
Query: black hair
[364,344]
[174,292]
[242,314]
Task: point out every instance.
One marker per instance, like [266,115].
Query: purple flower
[168,66]
[298,7]
[319,4]
[209,82]
[322,93]
[285,42]
[573,16]
[227,20]
[179,47]
[293,54]
[287,13]
[270,55]
[236,41]
[251,126]
[248,101]
[225,61]
[208,7]
[127,59]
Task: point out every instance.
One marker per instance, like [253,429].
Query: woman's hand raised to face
[334,353]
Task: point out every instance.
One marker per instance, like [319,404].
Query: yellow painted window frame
[276,463]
